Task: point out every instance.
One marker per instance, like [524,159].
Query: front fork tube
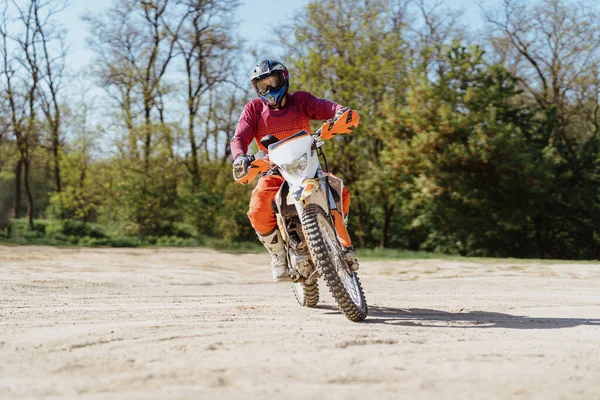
[341,229]
[338,219]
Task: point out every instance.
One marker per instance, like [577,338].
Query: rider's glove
[241,164]
[338,114]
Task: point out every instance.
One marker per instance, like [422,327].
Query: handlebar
[342,124]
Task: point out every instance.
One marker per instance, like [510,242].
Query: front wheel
[328,256]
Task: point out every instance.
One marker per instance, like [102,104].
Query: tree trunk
[385,229]
[540,236]
[414,243]
[364,227]
[55,152]
[148,138]
[17,198]
[195,168]
[28,193]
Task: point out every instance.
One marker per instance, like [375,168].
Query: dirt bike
[304,214]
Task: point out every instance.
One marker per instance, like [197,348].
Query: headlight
[297,166]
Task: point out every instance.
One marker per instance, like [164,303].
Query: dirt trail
[194,323]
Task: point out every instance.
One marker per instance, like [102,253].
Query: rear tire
[328,258]
[307,294]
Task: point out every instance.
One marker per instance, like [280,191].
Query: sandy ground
[195,323]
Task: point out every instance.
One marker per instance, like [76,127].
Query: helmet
[271,81]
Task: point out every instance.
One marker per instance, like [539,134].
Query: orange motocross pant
[262,214]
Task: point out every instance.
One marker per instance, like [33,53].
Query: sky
[254,21]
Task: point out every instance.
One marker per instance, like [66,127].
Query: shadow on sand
[419,317]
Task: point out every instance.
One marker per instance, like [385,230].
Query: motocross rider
[280,113]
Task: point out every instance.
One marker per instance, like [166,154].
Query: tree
[150,56]
[135,42]
[435,27]
[554,49]
[357,62]
[22,77]
[209,49]
[552,46]
[83,177]
[52,39]
[460,148]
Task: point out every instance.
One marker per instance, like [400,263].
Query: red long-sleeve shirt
[258,119]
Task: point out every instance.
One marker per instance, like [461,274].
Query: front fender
[309,192]
[309,186]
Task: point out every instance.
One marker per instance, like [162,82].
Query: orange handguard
[346,123]
[257,167]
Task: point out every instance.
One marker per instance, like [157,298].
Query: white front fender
[311,191]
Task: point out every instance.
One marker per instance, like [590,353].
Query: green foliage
[77,233]
[356,62]
[397,254]
[82,192]
[144,197]
[74,228]
[479,179]
[455,141]
[455,154]
[218,205]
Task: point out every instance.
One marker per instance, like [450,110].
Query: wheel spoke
[306,294]
[330,261]
[346,275]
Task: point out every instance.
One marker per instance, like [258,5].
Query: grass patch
[398,254]
[78,234]
[235,247]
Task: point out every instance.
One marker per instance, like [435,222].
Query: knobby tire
[323,256]
[307,294]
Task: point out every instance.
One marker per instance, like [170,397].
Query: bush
[81,229]
[76,233]
[121,242]
[176,241]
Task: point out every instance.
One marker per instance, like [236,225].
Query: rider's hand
[241,164]
[338,114]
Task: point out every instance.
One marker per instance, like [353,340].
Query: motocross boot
[276,248]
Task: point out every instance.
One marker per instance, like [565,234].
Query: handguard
[258,166]
[346,123]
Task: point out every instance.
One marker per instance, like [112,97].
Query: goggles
[264,85]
